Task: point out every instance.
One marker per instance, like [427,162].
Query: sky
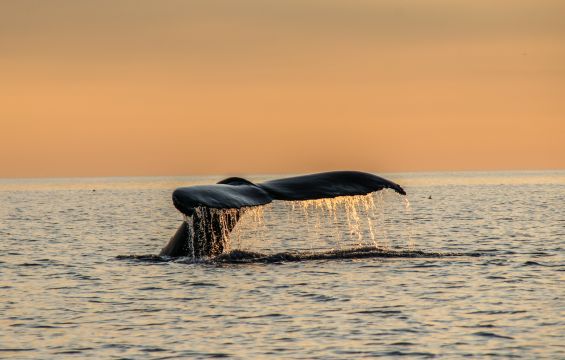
[127,88]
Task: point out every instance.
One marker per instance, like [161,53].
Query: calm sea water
[65,293]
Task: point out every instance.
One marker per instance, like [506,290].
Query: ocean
[469,264]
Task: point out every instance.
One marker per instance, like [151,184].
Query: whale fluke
[219,196]
[327,185]
[213,210]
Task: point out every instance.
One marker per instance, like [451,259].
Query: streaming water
[472,266]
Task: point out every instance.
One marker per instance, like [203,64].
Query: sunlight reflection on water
[64,292]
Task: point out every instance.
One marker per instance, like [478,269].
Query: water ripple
[477,272]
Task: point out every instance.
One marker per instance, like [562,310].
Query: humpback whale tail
[212,211]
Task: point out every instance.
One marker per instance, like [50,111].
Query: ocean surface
[471,264]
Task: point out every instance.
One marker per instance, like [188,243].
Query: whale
[212,211]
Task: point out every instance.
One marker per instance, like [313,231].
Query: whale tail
[212,211]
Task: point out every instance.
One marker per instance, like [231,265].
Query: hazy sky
[91,88]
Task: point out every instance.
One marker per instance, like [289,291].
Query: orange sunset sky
[103,88]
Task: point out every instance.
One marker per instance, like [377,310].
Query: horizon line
[204,175]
